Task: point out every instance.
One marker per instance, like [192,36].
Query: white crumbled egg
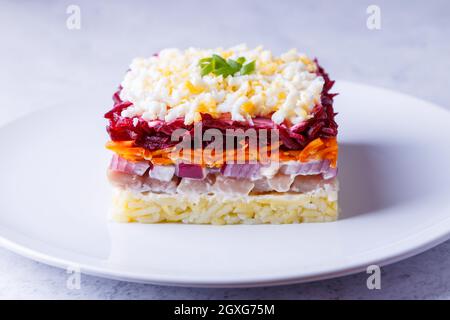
[170,85]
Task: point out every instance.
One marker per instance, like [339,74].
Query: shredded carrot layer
[318,149]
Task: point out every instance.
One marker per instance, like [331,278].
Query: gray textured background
[44,64]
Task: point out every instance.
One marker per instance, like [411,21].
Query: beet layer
[157,134]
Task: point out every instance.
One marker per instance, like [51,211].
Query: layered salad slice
[224,136]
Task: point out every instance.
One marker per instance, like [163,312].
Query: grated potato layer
[277,208]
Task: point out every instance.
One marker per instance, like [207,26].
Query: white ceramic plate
[395,200]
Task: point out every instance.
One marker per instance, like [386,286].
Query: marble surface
[45,64]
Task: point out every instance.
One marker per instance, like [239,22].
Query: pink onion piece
[242,171]
[310,168]
[330,173]
[191,171]
[325,165]
[306,168]
[121,165]
[291,168]
[316,167]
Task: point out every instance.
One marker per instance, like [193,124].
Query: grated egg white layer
[170,85]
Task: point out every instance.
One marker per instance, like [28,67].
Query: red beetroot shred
[154,135]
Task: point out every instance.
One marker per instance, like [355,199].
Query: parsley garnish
[219,66]
[248,68]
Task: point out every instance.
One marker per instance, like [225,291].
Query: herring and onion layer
[231,179]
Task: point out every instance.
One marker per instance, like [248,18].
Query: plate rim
[397,255]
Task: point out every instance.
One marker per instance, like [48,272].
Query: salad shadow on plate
[375,177]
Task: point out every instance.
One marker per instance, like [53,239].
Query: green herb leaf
[224,71]
[204,60]
[236,66]
[219,66]
[219,60]
[206,69]
[248,68]
[241,60]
